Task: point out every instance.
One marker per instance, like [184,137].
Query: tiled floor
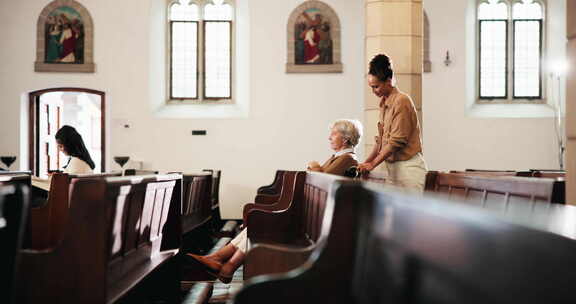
[224,292]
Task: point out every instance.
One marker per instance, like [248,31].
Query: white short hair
[350,129]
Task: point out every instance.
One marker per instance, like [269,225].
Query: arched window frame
[200,97]
[427,63]
[510,97]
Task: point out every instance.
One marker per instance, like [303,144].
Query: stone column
[393,27]
[571,104]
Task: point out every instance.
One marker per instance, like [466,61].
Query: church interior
[173,151]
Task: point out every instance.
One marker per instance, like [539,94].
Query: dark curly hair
[381,67]
[73,144]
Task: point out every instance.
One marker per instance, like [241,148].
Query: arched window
[510,50]
[201,48]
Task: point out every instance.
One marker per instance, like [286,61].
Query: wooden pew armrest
[268,259]
[266,199]
[249,207]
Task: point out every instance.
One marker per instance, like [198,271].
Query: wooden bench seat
[113,240]
[283,240]
[384,247]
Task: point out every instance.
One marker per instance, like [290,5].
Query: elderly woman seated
[344,136]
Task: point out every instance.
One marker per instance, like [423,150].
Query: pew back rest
[14,202]
[275,187]
[15,179]
[197,200]
[132,172]
[112,241]
[215,188]
[494,190]
[314,197]
[47,222]
[418,250]
[138,211]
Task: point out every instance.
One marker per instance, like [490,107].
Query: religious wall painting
[313,39]
[65,38]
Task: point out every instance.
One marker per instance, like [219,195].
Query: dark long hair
[73,144]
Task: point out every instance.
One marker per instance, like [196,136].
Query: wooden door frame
[33,117]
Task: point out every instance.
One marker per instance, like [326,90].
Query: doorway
[49,110]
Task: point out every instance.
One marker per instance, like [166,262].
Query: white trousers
[241,241]
[410,175]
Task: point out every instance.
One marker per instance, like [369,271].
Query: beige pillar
[394,27]
[571,104]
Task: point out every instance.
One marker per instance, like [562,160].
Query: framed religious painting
[65,38]
[314,39]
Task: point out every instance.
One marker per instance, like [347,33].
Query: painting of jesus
[64,36]
[313,41]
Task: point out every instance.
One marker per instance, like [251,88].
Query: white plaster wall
[454,139]
[287,123]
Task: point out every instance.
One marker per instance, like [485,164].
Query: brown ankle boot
[210,265]
[227,270]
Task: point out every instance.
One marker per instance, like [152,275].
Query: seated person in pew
[344,136]
[70,143]
[223,263]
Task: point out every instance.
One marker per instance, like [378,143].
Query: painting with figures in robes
[313,41]
[64,36]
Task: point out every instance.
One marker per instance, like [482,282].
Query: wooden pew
[275,187]
[270,194]
[499,190]
[132,172]
[216,222]
[197,201]
[326,271]
[47,222]
[283,240]
[291,182]
[112,242]
[384,247]
[15,178]
[14,202]
[14,172]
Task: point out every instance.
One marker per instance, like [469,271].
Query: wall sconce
[447,60]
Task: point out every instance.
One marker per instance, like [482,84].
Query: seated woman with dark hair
[70,142]
[344,136]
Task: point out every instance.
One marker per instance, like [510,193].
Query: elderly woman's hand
[313,165]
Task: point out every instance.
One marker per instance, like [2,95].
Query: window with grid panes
[510,50]
[201,36]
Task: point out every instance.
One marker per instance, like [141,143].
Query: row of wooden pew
[313,237]
[101,238]
[472,238]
